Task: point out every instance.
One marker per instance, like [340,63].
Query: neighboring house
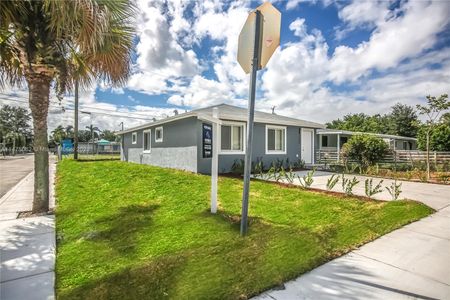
[330,148]
[184,141]
[105,147]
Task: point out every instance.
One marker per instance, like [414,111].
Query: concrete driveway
[412,262]
[13,169]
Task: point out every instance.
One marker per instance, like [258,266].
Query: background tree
[108,135]
[46,43]
[58,134]
[432,110]
[94,131]
[15,128]
[403,120]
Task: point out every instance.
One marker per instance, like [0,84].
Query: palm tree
[69,131]
[53,43]
[58,134]
[94,133]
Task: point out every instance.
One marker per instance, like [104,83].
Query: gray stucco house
[184,141]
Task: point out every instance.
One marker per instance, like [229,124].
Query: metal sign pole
[251,114]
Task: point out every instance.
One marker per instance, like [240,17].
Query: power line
[94,112]
[92,107]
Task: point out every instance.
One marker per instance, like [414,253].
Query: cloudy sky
[335,58]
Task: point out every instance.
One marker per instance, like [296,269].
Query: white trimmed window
[159,134]
[134,138]
[275,139]
[232,138]
[147,141]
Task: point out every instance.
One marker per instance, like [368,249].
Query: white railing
[327,156]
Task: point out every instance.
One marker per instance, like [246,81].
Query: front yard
[128,231]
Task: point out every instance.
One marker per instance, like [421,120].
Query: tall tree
[15,125]
[108,135]
[403,120]
[94,130]
[432,110]
[52,41]
[360,122]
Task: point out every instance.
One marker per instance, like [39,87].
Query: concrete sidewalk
[27,245]
[412,262]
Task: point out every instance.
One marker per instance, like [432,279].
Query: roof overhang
[385,136]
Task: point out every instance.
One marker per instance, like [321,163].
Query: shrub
[364,149]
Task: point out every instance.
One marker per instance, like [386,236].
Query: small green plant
[307,180]
[237,167]
[300,164]
[423,176]
[270,173]
[349,185]
[394,190]
[290,175]
[332,181]
[344,182]
[444,178]
[259,169]
[280,175]
[372,190]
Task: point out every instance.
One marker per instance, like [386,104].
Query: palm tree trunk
[39,88]
[75,135]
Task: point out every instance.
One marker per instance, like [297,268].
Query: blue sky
[335,58]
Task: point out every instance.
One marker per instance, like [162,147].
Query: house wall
[411,145]
[293,147]
[177,150]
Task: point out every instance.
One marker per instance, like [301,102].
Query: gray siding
[293,138]
[181,147]
[177,150]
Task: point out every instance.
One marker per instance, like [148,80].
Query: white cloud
[297,78]
[394,40]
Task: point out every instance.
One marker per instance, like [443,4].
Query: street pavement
[27,245]
[412,262]
[13,169]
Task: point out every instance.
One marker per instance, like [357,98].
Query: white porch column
[338,147]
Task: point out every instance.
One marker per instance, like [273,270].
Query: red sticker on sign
[268,41]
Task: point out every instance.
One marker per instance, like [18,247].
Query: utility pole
[75,134]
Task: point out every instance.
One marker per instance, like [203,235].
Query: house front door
[307,145]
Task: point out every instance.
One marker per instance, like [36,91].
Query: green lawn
[128,231]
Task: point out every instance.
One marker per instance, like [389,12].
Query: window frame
[134,138]
[162,134]
[149,131]
[244,134]
[275,127]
